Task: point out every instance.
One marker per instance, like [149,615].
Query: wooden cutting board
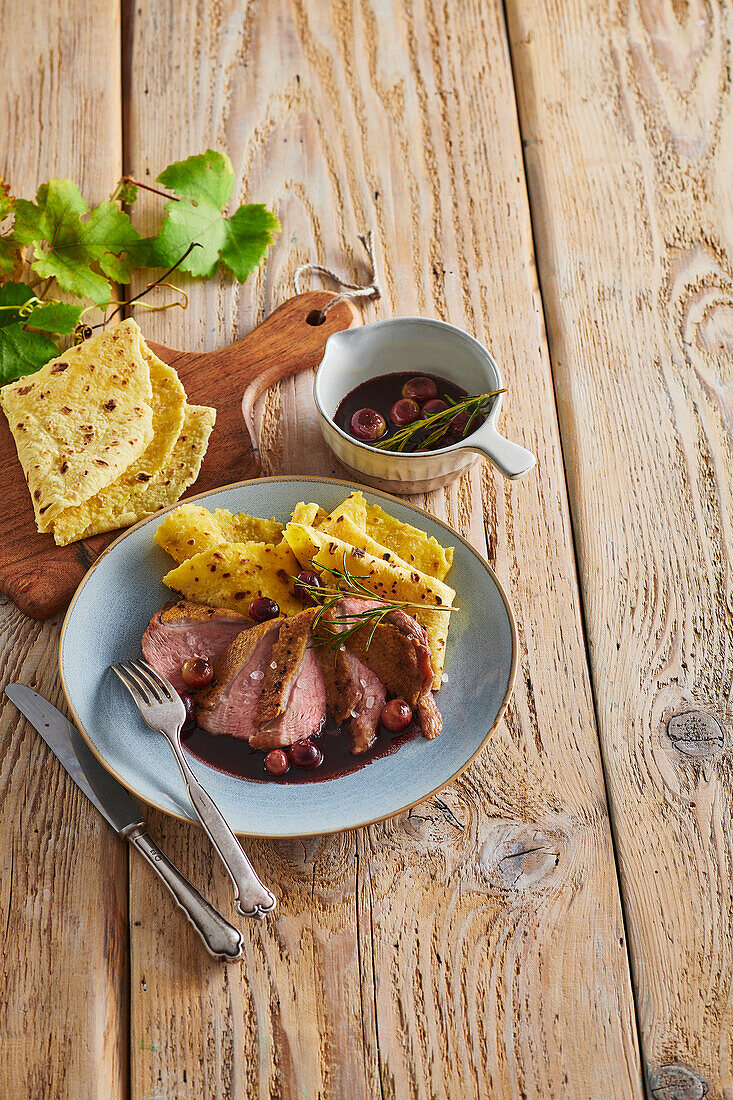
[41,577]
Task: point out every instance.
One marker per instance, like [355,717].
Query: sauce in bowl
[380,407]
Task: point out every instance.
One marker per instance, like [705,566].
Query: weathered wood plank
[473,947]
[288,1022]
[627,119]
[63,894]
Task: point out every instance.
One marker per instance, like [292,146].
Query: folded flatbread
[124,501]
[81,420]
[155,485]
[192,529]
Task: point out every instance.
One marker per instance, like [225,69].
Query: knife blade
[116,806]
[67,744]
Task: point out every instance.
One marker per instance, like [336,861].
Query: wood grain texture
[41,577]
[63,891]
[627,120]
[473,947]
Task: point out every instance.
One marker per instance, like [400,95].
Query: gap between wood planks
[573,541]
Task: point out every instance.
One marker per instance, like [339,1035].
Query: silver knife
[221,938]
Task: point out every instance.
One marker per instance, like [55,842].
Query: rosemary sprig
[437,424]
[333,638]
[349,584]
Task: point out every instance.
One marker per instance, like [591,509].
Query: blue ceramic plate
[120,593]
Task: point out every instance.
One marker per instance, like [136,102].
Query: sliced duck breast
[398,652]
[431,720]
[393,656]
[411,629]
[186,629]
[341,668]
[364,723]
[292,706]
[353,691]
[229,704]
[340,676]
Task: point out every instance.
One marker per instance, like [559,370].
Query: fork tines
[146,686]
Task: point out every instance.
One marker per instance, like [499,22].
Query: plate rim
[297,478]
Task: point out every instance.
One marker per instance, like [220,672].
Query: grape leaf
[7,202]
[12,297]
[250,232]
[53,316]
[21,352]
[208,176]
[78,253]
[61,317]
[205,184]
[146,253]
[11,258]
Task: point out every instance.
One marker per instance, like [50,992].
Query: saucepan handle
[509,458]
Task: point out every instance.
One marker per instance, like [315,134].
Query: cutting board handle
[291,339]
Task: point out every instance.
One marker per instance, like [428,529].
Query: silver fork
[162,710]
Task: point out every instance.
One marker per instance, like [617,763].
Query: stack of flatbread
[105,435]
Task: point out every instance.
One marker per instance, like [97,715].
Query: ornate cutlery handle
[252,898]
[221,938]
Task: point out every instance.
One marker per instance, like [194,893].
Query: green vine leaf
[85,250]
[11,253]
[21,352]
[60,317]
[78,254]
[204,185]
[7,202]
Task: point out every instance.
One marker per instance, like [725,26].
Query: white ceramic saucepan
[420,346]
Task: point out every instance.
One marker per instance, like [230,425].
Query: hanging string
[352,291]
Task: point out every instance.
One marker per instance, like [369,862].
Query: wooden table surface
[554,176]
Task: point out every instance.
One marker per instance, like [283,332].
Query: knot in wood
[528,865]
[434,821]
[521,857]
[696,733]
[300,851]
[714,333]
[675,1081]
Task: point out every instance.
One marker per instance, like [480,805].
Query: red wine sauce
[382,392]
[235,757]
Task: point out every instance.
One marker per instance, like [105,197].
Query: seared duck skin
[292,706]
[353,691]
[186,629]
[398,652]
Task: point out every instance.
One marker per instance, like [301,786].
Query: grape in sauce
[396,715]
[197,672]
[235,757]
[367,424]
[262,608]
[400,392]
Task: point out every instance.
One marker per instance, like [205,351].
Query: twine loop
[351,291]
